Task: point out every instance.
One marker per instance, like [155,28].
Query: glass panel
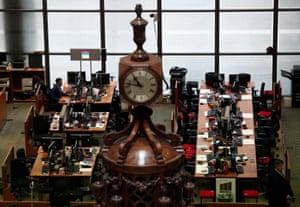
[289,4]
[289,32]
[120,33]
[23,31]
[197,66]
[260,68]
[20,4]
[73,30]
[76,4]
[112,66]
[188,4]
[129,5]
[246,4]
[188,32]
[60,64]
[246,32]
[286,62]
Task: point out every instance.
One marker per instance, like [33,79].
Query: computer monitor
[2,57]
[50,142]
[73,77]
[35,60]
[244,78]
[81,140]
[233,78]
[213,79]
[102,79]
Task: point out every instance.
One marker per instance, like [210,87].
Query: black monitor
[35,60]
[50,142]
[104,78]
[244,78]
[81,140]
[233,78]
[73,77]
[213,79]
[2,57]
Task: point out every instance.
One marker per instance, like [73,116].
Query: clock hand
[131,84]
[137,81]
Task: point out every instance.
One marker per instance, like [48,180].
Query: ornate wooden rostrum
[142,164]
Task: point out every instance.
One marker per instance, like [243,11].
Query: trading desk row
[77,122]
[98,95]
[69,162]
[226,139]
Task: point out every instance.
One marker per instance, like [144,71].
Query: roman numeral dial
[140,85]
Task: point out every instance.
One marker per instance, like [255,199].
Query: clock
[140,85]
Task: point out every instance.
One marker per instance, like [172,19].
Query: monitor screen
[213,79]
[51,142]
[73,77]
[80,140]
[104,78]
[232,78]
[2,57]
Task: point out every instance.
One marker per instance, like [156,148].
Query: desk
[36,171]
[105,99]
[248,148]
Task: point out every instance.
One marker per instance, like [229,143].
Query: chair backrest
[21,153]
[18,168]
[41,124]
[262,88]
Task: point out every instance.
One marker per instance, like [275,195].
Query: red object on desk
[251,194]
[206,194]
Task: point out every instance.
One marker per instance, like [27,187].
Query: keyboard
[45,169]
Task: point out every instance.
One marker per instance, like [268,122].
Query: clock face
[140,85]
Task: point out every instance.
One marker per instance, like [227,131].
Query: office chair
[19,178]
[40,128]
[20,154]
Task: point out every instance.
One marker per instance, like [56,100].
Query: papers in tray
[203,101]
[204,135]
[246,97]
[248,141]
[202,168]
[201,158]
[248,115]
[247,132]
[86,169]
[205,91]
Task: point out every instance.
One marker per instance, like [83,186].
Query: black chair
[19,178]
[65,191]
[20,153]
[40,129]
